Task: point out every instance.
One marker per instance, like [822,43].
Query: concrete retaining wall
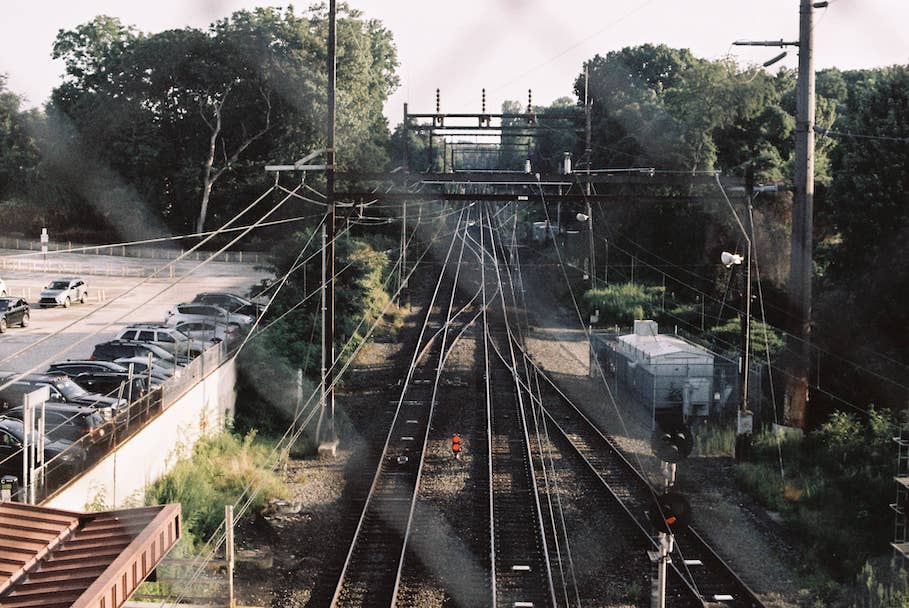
[120,478]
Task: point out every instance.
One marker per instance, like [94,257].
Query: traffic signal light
[672,442]
[669,510]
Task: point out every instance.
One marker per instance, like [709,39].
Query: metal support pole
[229,552]
[329,337]
[406,141]
[661,558]
[27,425]
[325,350]
[800,270]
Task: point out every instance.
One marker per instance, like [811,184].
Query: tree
[18,149]
[177,112]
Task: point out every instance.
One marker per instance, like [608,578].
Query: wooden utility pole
[800,270]
[328,338]
[795,404]
[588,156]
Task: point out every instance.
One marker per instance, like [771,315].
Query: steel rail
[372,518]
[522,465]
[432,402]
[718,578]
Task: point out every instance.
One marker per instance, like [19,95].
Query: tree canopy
[174,113]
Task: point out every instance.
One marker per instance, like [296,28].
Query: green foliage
[663,107]
[172,111]
[216,474]
[623,303]
[269,364]
[881,585]
[725,338]
[833,489]
[18,149]
[714,440]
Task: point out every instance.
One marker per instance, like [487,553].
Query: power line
[850,135]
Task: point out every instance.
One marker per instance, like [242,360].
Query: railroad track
[701,577]
[522,569]
[372,569]
[694,561]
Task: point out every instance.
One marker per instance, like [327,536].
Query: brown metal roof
[61,559]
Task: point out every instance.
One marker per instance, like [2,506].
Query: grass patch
[714,441]
[215,475]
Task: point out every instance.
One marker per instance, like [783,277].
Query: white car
[210,330]
[63,292]
[192,311]
[3,291]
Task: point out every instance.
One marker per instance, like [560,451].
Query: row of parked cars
[59,292]
[86,395]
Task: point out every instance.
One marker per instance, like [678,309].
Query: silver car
[164,336]
[63,292]
[210,331]
[193,311]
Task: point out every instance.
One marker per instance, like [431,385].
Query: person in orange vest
[456,446]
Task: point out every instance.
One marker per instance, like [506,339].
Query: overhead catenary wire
[609,392]
[302,419]
[170,284]
[89,248]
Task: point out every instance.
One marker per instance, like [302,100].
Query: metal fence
[58,472]
[127,251]
[695,389]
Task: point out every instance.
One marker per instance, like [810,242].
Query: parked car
[205,312]
[62,390]
[63,292]
[120,349]
[109,383]
[230,302]
[69,422]
[165,336]
[78,366]
[13,311]
[3,291]
[210,331]
[140,366]
[67,457]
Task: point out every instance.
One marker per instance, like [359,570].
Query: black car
[62,390]
[64,457]
[109,383]
[69,422]
[125,349]
[81,366]
[13,311]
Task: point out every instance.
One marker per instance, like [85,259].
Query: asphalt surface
[109,307]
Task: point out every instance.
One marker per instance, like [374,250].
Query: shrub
[216,474]
[836,488]
[623,303]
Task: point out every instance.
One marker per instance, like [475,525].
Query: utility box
[665,370]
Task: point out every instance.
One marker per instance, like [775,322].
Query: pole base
[328,449]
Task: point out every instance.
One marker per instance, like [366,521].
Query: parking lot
[105,311]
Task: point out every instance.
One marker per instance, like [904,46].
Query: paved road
[148,302]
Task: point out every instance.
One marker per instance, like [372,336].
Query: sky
[506,46]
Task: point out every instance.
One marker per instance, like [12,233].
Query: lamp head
[582,217]
[728,259]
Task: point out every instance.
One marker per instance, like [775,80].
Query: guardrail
[88,450]
[128,251]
